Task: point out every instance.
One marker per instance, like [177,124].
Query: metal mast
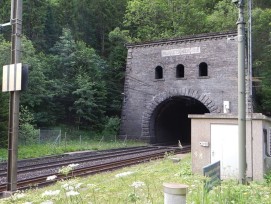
[13,130]
[241,92]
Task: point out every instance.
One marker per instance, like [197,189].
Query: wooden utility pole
[13,129]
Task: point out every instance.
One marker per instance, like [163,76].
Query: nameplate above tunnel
[181,51]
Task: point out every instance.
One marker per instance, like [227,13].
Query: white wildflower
[67,187]
[18,196]
[27,203]
[72,182]
[137,184]
[73,165]
[21,195]
[91,185]
[51,193]
[123,174]
[78,185]
[47,202]
[72,193]
[50,178]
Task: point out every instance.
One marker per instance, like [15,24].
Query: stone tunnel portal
[170,123]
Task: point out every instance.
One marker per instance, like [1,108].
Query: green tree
[148,20]
[89,102]
[78,17]
[92,20]
[34,18]
[4,110]
[223,17]
[27,133]
[38,97]
[107,15]
[62,75]
[261,58]
[114,75]
[79,88]
[64,50]
[90,91]
[5,17]
[5,11]
[52,29]
[262,4]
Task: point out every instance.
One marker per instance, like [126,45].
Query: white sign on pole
[12,77]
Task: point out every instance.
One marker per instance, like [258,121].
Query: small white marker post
[175,193]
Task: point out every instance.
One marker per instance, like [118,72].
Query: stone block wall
[143,92]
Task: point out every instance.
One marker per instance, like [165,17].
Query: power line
[140,91]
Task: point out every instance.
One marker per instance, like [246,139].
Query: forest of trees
[76,52]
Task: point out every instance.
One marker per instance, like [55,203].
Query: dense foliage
[76,51]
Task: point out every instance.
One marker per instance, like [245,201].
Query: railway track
[68,156]
[37,166]
[88,165]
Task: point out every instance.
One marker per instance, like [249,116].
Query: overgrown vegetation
[76,52]
[27,133]
[267,177]
[143,184]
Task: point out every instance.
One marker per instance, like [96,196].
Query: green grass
[107,188]
[33,151]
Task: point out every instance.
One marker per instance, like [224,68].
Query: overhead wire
[142,83]
[135,79]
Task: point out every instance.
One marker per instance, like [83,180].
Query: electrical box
[226,107]
[25,73]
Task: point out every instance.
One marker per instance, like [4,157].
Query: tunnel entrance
[170,122]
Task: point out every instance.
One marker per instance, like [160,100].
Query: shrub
[267,177]
[27,133]
[111,127]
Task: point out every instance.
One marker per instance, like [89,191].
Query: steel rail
[98,168]
[75,155]
[83,159]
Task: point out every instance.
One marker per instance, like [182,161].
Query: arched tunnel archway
[169,121]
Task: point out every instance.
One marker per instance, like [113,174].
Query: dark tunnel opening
[170,121]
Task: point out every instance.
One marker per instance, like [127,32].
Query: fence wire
[49,136]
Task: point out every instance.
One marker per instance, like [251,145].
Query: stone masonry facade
[146,86]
